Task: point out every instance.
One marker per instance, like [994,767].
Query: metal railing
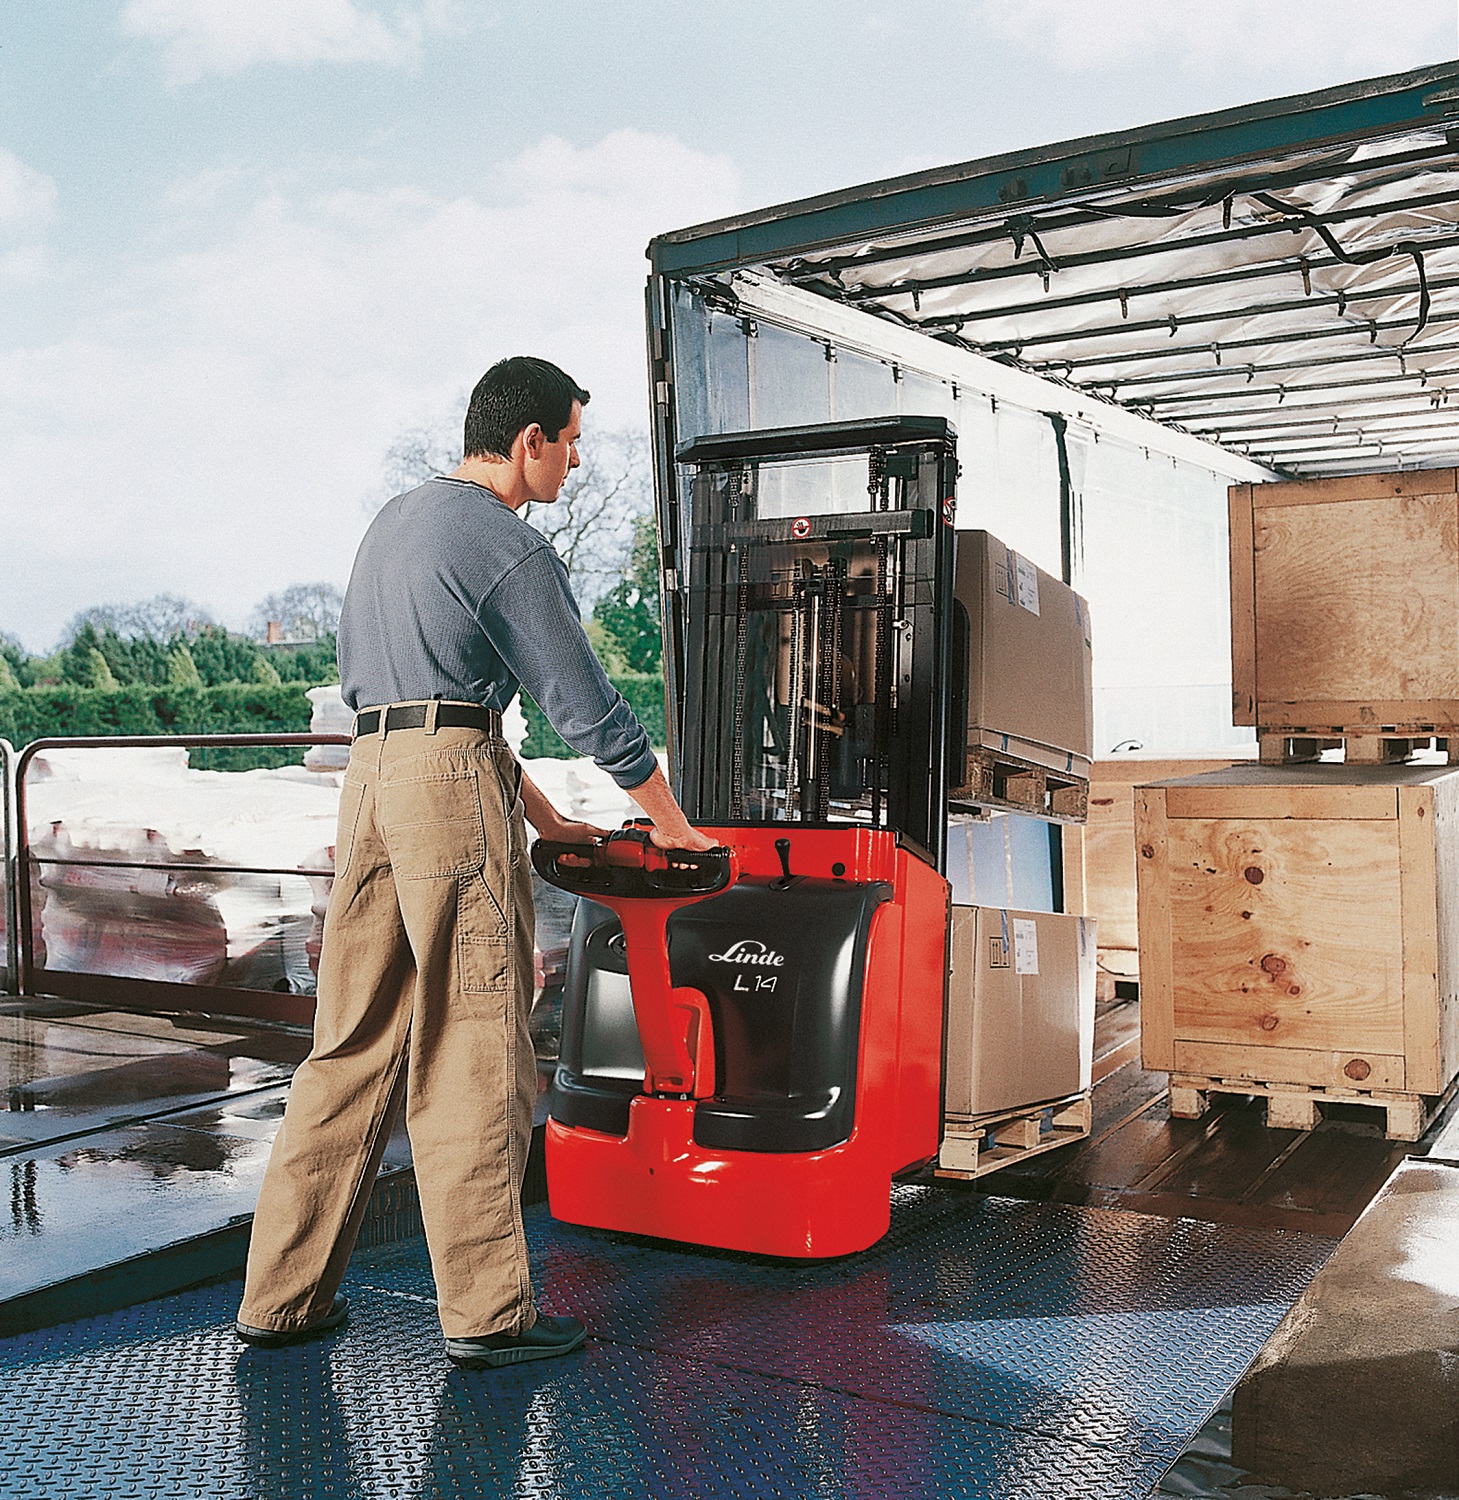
[29,978]
[9,866]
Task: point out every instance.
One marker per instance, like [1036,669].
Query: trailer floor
[1228,1167]
[987,1347]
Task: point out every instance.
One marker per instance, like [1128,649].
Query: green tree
[75,660]
[101,673]
[222,657]
[263,672]
[14,661]
[118,656]
[9,682]
[628,614]
[182,670]
[310,661]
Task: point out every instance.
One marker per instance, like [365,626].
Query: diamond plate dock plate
[986,1349]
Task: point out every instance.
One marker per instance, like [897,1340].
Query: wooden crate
[1345,607]
[1108,869]
[1300,926]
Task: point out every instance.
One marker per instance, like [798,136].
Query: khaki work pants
[425,981]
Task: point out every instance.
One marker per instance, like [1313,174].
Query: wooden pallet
[976,1147]
[1291,1107]
[1386,744]
[1003,780]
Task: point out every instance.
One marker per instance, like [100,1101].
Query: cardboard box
[1020,1027]
[1345,604]
[1300,925]
[1030,684]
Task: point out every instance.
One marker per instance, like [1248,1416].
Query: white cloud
[27,197]
[1331,41]
[199,37]
[215,418]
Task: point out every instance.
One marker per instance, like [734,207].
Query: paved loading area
[988,1348]
[1359,1388]
[132,1147]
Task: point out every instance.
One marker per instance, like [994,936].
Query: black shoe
[269,1338]
[545,1339]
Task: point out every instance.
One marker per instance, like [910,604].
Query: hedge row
[64,711]
[645,694]
[242,708]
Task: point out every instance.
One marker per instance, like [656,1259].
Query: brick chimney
[274,633]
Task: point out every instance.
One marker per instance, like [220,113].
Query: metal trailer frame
[1071,172]
[1269,287]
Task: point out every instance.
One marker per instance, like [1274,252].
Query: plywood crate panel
[1300,925]
[1345,604]
[1108,869]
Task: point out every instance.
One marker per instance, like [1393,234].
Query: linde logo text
[749,951]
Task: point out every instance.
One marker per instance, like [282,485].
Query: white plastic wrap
[128,810]
[140,809]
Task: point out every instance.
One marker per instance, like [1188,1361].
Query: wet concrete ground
[124,1134]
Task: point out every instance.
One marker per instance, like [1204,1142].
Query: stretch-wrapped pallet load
[144,869]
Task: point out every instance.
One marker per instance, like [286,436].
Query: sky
[245,244]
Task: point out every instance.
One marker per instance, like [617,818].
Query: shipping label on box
[1025,946]
[1025,583]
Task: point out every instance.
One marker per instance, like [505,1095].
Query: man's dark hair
[512,395]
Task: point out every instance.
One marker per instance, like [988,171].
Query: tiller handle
[644,885]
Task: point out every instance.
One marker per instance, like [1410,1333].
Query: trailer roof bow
[1282,279]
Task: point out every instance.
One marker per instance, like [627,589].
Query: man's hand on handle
[671,830]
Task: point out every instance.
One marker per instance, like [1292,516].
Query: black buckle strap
[413,716]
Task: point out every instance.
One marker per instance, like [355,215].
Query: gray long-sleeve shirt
[454,596]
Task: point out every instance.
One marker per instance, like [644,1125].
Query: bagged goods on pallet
[120,809]
[328,715]
[124,850]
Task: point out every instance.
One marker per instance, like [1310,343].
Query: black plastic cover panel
[783,965]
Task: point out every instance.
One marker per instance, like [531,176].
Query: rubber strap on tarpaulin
[1060,424]
[1359,257]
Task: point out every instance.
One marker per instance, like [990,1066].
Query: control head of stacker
[628,864]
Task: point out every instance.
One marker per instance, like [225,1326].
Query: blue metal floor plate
[987,1348]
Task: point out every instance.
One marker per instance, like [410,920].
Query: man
[426,971]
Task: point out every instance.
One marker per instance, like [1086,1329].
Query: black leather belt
[413,716]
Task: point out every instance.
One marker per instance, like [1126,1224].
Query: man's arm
[549,823]
[671,830]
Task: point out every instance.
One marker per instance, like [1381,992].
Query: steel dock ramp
[989,1347]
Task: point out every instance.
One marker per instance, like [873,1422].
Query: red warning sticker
[800,527]
[949,511]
